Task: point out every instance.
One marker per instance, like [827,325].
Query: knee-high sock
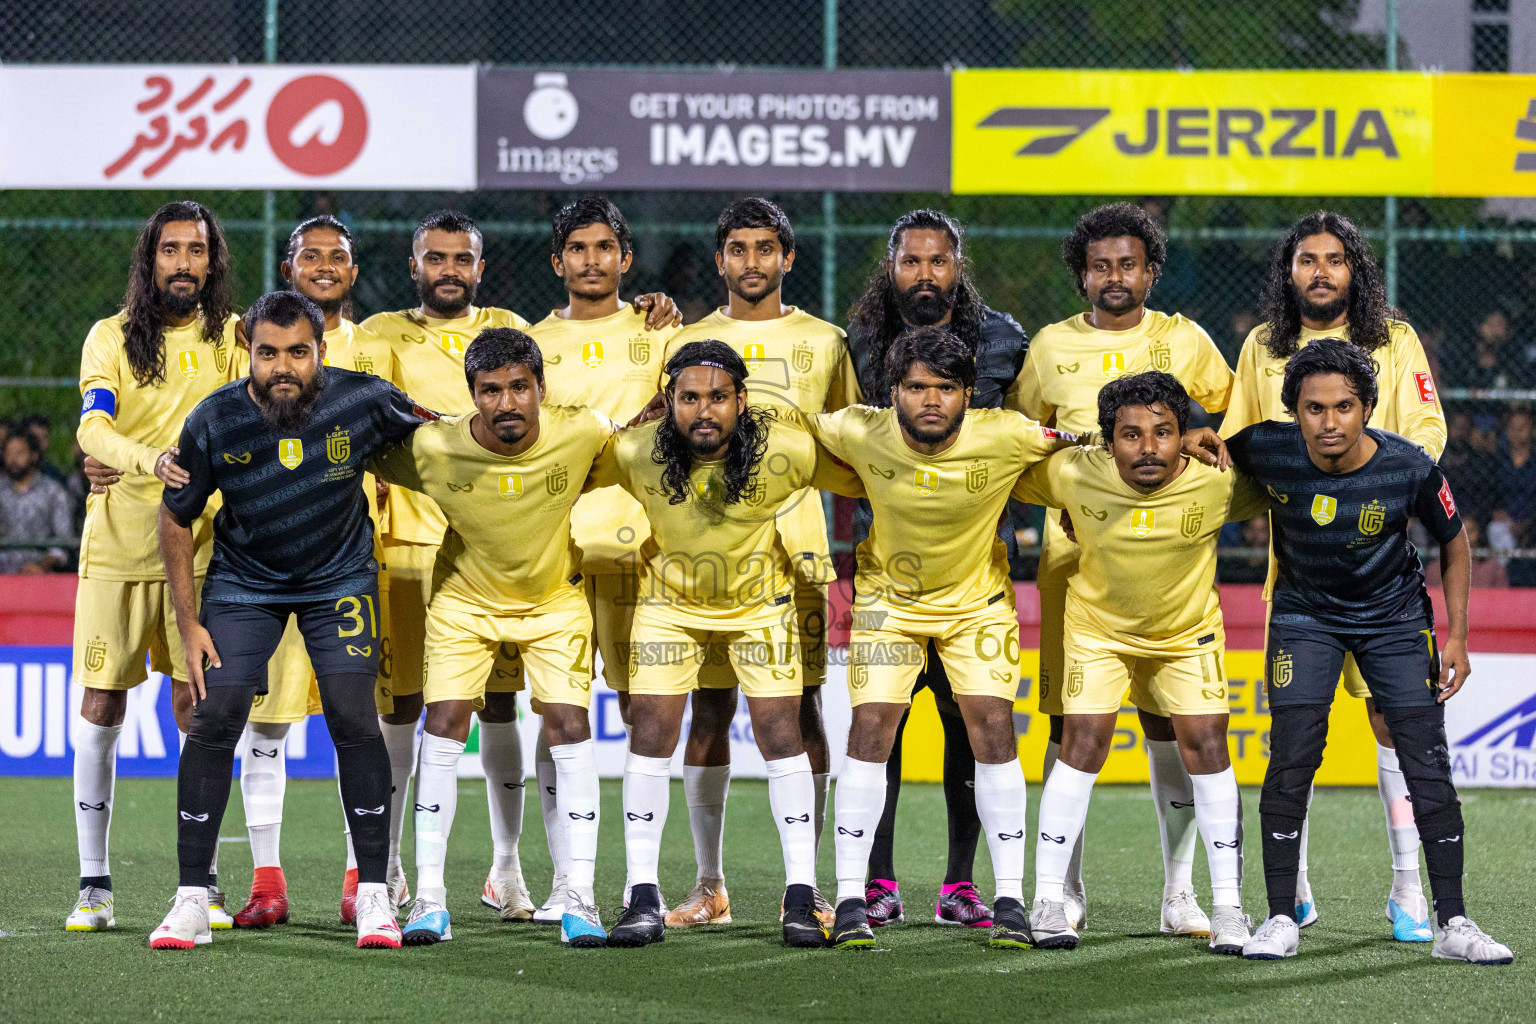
[1074,871]
[95,783]
[346,823]
[647,796]
[1174,797]
[1063,809]
[882,851]
[705,790]
[576,799]
[1000,805]
[858,801]
[203,777]
[1419,735]
[820,782]
[959,800]
[1402,833]
[437,798]
[1297,736]
[554,827]
[1218,806]
[501,755]
[401,742]
[792,798]
[263,781]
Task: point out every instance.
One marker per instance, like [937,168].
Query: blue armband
[99,400]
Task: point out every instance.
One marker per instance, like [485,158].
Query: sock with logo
[401,742]
[857,804]
[647,795]
[203,778]
[437,798]
[1219,808]
[362,766]
[576,798]
[792,799]
[1402,833]
[1173,795]
[705,788]
[1297,735]
[95,782]
[820,783]
[263,781]
[501,755]
[554,827]
[1000,800]
[1418,733]
[1074,876]
[1063,809]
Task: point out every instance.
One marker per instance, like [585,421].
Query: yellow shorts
[611,598]
[1098,680]
[1354,682]
[980,654]
[465,651]
[810,642]
[292,694]
[667,659]
[1058,564]
[118,622]
[409,574]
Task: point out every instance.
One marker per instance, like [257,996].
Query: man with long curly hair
[141,372]
[1323,282]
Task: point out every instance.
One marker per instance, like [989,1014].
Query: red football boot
[349,896]
[268,904]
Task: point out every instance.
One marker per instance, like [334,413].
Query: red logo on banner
[189,132]
[317,125]
[1426,385]
[1446,501]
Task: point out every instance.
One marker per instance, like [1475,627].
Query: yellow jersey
[508,545]
[933,549]
[127,426]
[712,564]
[800,365]
[353,347]
[1146,574]
[611,364]
[1407,403]
[429,366]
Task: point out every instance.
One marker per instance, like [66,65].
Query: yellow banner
[1128,132]
[1349,761]
[1485,135]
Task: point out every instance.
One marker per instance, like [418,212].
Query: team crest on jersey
[1189,522]
[1324,509]
[1143,521]
[452,343]
[1162,358]
[926,480]
[186,362]
[1114,364]
[754,355]
[592,354]
[1372,517]
[804,357]
[290,452]
[362,363]
[510,486]
[755,493]
[639,351]
[1281,498]
[338,445]
[975,478]
[220,359]
[1074,680]
[556,479]
[96,654]
[1280,670]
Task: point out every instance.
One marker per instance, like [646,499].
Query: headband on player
[714,354]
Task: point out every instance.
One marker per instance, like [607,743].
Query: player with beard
[1115,253]
[141,372]
[797,365]
[286,448]
[925,281]
[1324,282]
[428,343]
[597,353]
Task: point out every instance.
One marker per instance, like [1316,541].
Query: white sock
[437,797]
[1218,806]
[576,799]
[1063,809]
[1174,797]
[1402,833]
[705,791]
[1000,800]
[263,780]
[554,827]
[820,780]
[95,781]
[197,892]
[647,795]
[379,889]
[501,755]
[792,799]
[1303,885]
[401,742]
[1074,881]
[858,803]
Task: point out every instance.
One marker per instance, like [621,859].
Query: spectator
[39,427]
[1496,363]
[79,488]
[1516,507]
[33,509]
[1487,571]
[1471,464]
[1254,566]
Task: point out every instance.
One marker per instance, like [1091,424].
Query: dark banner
[866,131]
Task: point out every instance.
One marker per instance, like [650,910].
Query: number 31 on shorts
[352,608]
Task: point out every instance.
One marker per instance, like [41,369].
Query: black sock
[213,879]
[882,854]
[799,897]
[1297,736]
[960,799]
[99,881]
[645,896]
[362,762]
[203,778]
[1419,736]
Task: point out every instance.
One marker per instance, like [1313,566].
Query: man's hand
[661,311]
[1204,444]
[380,490]
[655,409]
[1066,526]
[197,645]
[170,474]
[99,475]
[1454,668]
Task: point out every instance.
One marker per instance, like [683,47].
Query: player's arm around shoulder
[404,461]
[1049,482]
[603,471]
[811,464]
[1210,378]
[1420,417]
[1243,409]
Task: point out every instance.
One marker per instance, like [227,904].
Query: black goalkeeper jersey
[1341,539]
[294,524]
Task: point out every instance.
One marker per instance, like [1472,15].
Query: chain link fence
[1462,276]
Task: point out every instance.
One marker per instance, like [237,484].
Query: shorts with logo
[1100,672]
[611,598]
[668,657]
[810,641]
[1400,665]
[550,646]
[118,623]
[1354,682]
[409,567]
[292,693]
[341,636]
[980,653]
